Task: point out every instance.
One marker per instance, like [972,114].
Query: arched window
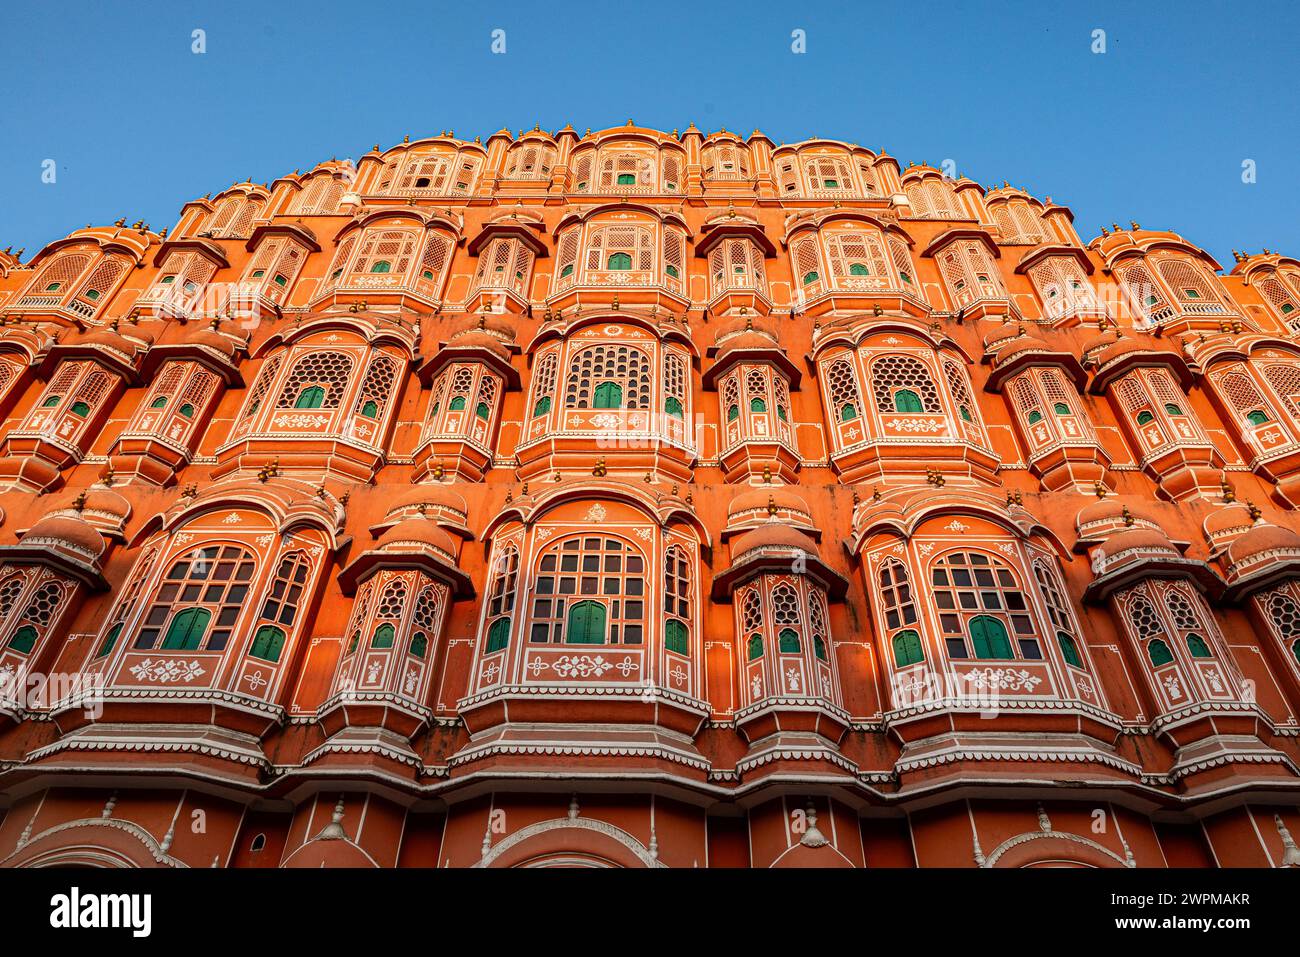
[754,647]
[625,368]
[578,572]
[1197,646]
[619,262]
[1069,649]
[322,372]
[501,600]
[843,382]
[899,379]
[785,612]
[1159,652]
[978,597]
[383,636]
[207,586]
[677,600]
[268,643]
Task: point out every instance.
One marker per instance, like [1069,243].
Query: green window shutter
[1144,417]
[1069,650]
[1159,653]
[780,413]
[312,397]
[905,400]
[383,637]
[672,271]
[498,634]
[586,624]
[420,645]
[457,404]
[280,280]
[382,266]
[1173,409]
[788,640]
[989,638]
[733,413]
[819,647]
[80,408]
[676,638]
[185,633]
[187,410]
[1035,417]
[51,402]
[1295,649]
[858,269]
[268,643]
[1197,646]
[1257,417]
[159,402]
[626,179]
[907,648]
[848,413]
[566,271]
[608,395]
[370,409]
[542,407]
[620,262]
[109,640]
[965,414]
[809,278]
[1060,408]
[755,646]
[482,411]
[673,406]
[757,405]
[24,639]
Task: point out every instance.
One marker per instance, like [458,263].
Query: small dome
[109,339]
[1140,539]
[742,341]
[771,535]
[67,534]
[98,506]
[778,496]
[1227,522]
[440,496]
[740,325]
[1104,517]
[419,534]
[1261,539]
[212,339]
[1008,330]
[478,339]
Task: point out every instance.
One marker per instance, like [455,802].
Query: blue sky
[1155,129]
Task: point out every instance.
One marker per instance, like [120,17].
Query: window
[185,633]
[580,572]
[81,409]
[809,278]
[848,413]
[1197,646]
[313,397]
[419,645]
[1257,417]
[501,600]
[619,262]
[215,577]
[383,636]
[1069,650]
[1060,408]
[586,624]
[977,597]
[754,647]
[757,405]
[907,649]
[498,634]
[457,404]
[543,406]
[566,271]
[905,400]
[1173,409]
[1159,653]
[370,409]
[788,640]
[609,395]
[267,643]
[24,639]
[1144,417]
[733,413]
[626,179]
[858,269]
[110,640]
[159,403]
[383,265]
[673,407]
[676,637]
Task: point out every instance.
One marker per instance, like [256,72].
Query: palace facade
[645,499]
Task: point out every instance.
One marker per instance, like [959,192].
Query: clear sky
[1155,129]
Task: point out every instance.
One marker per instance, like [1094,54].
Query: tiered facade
[646,499]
